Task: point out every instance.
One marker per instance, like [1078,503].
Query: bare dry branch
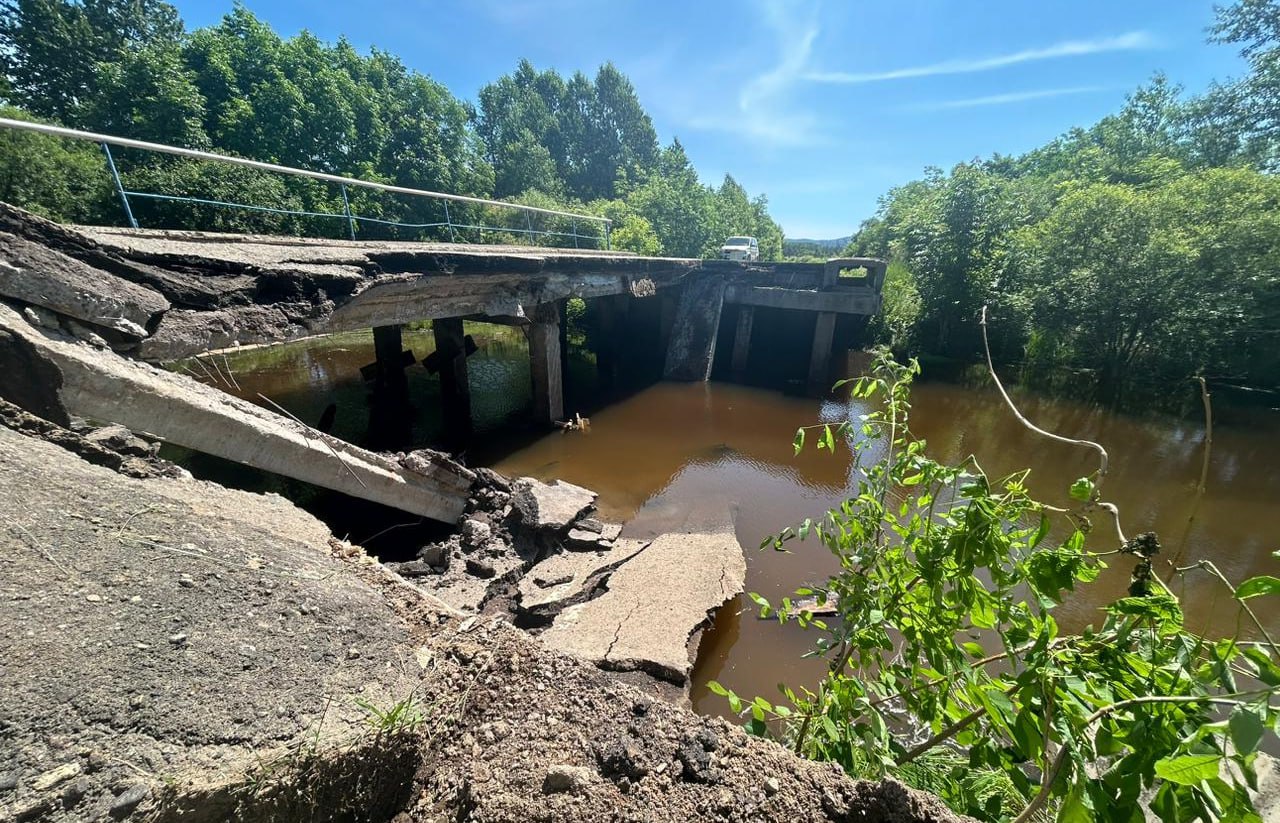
[314,434]
[1103,459]
[35,544]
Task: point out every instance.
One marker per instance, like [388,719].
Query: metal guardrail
[352,219]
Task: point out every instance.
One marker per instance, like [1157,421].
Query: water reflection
[305,377]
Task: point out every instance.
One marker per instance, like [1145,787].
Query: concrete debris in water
[539,553]
[653,604]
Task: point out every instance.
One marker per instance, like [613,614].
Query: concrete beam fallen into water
[104,386]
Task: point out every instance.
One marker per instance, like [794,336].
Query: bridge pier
[545,363]
[609,330]
[691,348]
[820,357]
[742,340]
[455,390]
[390,418]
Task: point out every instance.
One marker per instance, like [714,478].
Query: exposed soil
[172,648]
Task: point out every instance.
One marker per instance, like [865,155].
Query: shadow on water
[660,454]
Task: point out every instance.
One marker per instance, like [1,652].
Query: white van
[740,248]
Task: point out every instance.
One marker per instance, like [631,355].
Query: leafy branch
[949,670]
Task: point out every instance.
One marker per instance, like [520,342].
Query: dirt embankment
[170,648]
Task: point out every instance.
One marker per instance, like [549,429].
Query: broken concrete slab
[183,333]
[589,535]
[102,385]
[654,603]
[550,506]
[581,540]
[562,577]
[36,274]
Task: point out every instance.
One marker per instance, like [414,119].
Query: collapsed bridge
[145,296]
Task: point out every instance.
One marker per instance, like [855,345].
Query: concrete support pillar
[544,363]
[666,316]
[455,391]
[390,418]
[610,324]
[820,359]
[691,349]
[563,306]
[742,340]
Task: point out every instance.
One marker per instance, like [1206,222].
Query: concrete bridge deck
[382,283]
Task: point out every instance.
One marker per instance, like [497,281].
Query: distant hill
[804,247]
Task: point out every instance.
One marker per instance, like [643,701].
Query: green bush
[945,649]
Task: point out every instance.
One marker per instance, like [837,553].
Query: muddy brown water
[668,453]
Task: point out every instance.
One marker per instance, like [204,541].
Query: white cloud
[1001,99]
[763,112]
[1131,41]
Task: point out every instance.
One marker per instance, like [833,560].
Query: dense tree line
[1138,252]
[130,68]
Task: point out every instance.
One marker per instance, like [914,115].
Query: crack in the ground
[617,633]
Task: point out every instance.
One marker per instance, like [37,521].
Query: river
[671,449]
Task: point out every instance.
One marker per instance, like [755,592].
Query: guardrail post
[453,238]
[115,177]
[575,232]
[346,209]
[608,224]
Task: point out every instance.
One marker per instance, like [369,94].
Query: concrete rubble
[550,506]
[171,650]
[567,576]
[536,551]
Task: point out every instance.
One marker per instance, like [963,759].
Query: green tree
[63,180]
[149,94]
[128,67]
[676,205]
[1107,271]
[51,50]
[630,231]
[1252,106]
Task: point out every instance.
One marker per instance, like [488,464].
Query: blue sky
[823,106]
